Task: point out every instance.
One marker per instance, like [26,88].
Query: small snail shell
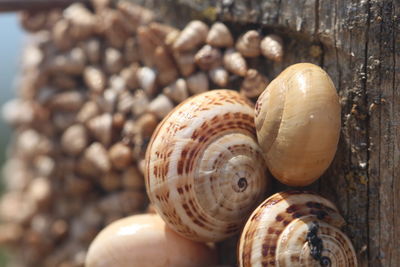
[147,79]
[194,34]
[95,79]
[101,128]
[113,60]
[120,156]
[147,45]
[185,62]
[253,84]
[160,106]
[197,83]
[161,31]
[234,62]
[219,36]
[129,75]
[144,240]
[272,47]
[298,124]
[177,91]
[135,14]
[88,111]
[295,228]
[204,169]
[208,57]
[219,76]
[249,44]
[74,139]
[167,71]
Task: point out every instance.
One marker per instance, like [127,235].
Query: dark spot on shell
[265,250]
[242,184]
[297,215]
[292,208]
[180,166]
[198,223]
[278,218]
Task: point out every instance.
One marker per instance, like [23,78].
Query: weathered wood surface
[358,44]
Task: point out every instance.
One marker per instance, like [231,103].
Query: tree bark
[358,43]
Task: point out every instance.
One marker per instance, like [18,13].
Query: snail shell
[219,36]
[177,91]
[94,78]
[272,47]
[208,57]
[167,71]
[249,44]
[185,62]
[234,62]
[204,169]
[295,228]
[298,124]
[144,240]
[253,83]
[219,76]
[197,83]
[194,34]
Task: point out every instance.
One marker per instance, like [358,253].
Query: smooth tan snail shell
[204,168]
[298,124]
[144,240]
[295,228]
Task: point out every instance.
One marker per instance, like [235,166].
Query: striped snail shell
[204,169]
[298,124]
[295,228]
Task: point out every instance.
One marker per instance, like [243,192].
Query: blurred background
[10,50]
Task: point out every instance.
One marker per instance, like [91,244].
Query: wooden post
[358,44]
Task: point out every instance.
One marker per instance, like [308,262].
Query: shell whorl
[295,228]
[298,124]
[204,169]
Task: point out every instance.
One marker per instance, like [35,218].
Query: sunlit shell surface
[204,169]
[298,124]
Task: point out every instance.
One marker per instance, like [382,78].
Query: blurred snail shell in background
[204,169]
[144,240]
[295,228]
[298,124]
[272,47]
[194,34]
[234,62]
[249,44]
[219,36]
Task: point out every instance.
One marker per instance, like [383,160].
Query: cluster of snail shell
[206,171]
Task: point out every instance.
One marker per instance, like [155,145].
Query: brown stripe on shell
[174,139]
[323,210]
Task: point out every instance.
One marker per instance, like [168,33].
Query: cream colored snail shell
[298,124]
[204,169]
[145,241]
[295,228]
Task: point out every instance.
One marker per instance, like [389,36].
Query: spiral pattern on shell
[298,124]
[204,169]
[295,228]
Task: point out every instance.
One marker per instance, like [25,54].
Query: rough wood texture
[358,43]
